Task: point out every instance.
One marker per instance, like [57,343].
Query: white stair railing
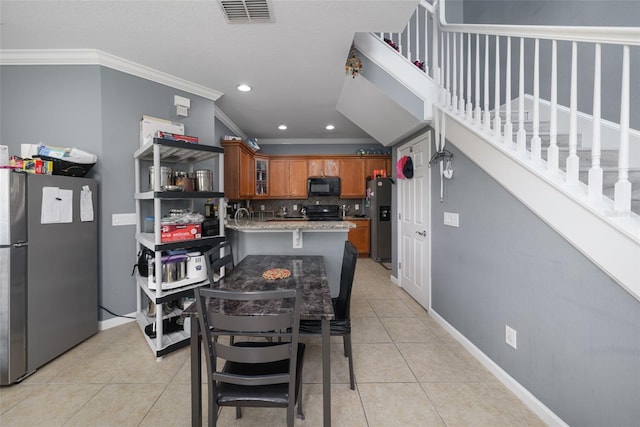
[445,63]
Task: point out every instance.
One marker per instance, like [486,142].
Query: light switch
[123,219]
[451,219]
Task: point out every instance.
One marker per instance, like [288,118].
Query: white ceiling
[295,64]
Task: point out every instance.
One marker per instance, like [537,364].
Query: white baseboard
[537,407]
[115,321]
[394,280]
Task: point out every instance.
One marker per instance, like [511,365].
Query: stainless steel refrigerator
[378,207]
[48,269]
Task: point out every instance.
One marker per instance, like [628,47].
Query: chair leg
[349,353]
[300,414]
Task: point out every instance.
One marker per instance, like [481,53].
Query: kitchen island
[295,237]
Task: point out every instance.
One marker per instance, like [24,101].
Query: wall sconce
[182,105]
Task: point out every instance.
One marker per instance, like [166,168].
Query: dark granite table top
[307,272]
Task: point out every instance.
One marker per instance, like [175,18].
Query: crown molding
[323,141]
[220,115]
[97,57]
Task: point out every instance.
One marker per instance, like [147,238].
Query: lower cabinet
[359,236]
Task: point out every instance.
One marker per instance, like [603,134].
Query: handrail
[612,35]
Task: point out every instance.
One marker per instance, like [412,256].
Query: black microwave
[323,186]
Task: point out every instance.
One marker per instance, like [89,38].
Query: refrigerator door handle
[20,244]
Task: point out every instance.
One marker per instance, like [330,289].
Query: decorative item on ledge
[365,151]
[419,64]
[353,66]
[392,44]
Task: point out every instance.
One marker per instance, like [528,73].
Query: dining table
[307,273]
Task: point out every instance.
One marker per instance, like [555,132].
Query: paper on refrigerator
[57,205]
[86,204]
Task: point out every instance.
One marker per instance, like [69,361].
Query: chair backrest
[343,302]
[218,258]
[229,313]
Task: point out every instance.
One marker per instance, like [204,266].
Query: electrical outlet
[295,207]
[511,336]
[451,219]
[261,207]
[357,207]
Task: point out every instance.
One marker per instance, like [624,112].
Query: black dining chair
[341,324]
[219,261]
[252,373]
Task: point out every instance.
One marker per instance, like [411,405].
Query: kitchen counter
[293,237]
[289,224]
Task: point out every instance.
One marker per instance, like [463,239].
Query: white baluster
[400,43]
[536,148]
[552,152]
[487,114]
[595,173]
[417,33]
[448,75]
[469,104]
[454,76]
[426,42]
[508,127]
[434,52]
[478,113]
[622,189]
[497,125]
[408,56]
[573,162]
[443,70]
[461,75]
[521,137]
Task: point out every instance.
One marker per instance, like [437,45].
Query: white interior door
[414,233]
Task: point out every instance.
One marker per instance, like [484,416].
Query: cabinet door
[315,167]
[279,178]
[323,167]
[246,175]
[376,164]
[297,178]
[359,236]
[261,176]
[352,182]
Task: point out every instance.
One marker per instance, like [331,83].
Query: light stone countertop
[289,225]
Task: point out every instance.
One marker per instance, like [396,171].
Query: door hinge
[399,216]
[399,265]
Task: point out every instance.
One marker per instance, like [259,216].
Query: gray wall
[97,109]
[568,13]
[578,331]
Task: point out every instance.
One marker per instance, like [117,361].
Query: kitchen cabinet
[261,176]
[239,167]
[288,178]
[165,298]
[352,182]
[323,167]
[376,163]
[359,236]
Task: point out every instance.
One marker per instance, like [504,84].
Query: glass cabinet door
[262,171]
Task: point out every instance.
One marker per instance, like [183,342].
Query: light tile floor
[409,372]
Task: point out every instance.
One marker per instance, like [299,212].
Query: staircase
[450,86]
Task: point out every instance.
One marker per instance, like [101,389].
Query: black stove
[323,213]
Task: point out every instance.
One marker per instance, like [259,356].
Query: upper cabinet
[288,178]
[262,176]
[323,167]
[238,170]
[352,181]
[249,175]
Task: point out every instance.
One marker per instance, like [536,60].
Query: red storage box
[174,233]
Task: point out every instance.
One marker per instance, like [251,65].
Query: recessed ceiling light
[330,127]
[244,88]
[282,126]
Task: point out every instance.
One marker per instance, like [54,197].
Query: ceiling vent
[246,11]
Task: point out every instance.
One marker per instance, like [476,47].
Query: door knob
[423,233]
